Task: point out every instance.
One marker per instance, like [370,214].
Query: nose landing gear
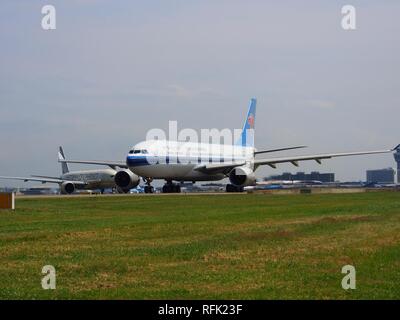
[148,188]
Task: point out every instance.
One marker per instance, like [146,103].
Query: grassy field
[228,246]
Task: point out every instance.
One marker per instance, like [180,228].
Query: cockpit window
[136,151]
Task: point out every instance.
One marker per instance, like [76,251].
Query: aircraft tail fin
[64,165]
[247,136]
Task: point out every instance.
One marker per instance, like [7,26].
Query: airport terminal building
[381,176]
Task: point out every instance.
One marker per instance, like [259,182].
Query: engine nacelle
[67,187]
[126,179]
[242,176]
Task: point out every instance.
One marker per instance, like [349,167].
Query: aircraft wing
[226,167]
[280,149]
[112,164]
[318,157]
[219,167]
[42,180]
[45,177]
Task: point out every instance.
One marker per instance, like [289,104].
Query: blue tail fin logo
[247,135]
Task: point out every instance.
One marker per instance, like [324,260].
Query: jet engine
[242,176]
[67,187]
[126,180]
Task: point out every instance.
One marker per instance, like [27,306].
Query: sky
[112,70]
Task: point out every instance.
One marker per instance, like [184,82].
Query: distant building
[39,191]
[302,176]
[397,158]
[381,176]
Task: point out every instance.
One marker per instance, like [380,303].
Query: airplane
[170,161]
[70,181]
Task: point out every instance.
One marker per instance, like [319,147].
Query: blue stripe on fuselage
[134,161]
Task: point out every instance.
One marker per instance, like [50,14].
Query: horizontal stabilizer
[111,164]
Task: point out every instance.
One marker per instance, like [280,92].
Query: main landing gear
[171,187]
[148,188]
[233,188]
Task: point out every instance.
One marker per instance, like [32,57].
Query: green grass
[196,247]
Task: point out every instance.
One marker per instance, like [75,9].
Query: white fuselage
[172,160]
[95,179]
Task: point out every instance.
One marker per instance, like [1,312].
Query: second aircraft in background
[69,181]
